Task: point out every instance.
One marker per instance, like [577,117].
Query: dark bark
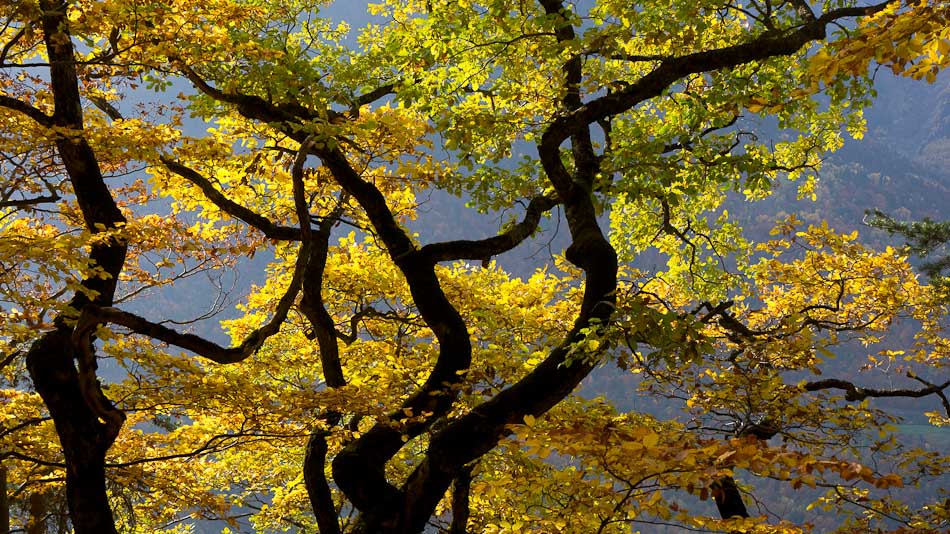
[85,420]
[39,510]
[324,329]
[83,438]
[728,499]
[462,488]
[4,502]
[359,470]
[315,479]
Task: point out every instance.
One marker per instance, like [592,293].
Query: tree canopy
[386,377]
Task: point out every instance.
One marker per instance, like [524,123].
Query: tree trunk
[83,437]
[39,505]
[4,503]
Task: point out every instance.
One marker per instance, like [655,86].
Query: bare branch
[215,443]
[939,393]
[31,459]
[105,106]
[27,202]
[484,249]
[857,393]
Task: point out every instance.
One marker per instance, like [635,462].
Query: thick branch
[255,107]
[86,422]
[486,248]
[856,393]
[30,111]
[370,97]
[313,307]
[765,46]
[728,499]
[359,469]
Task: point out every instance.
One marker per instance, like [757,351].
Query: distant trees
[379,381]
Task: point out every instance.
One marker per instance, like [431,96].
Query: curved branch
[766,45]
[4,431]
[857,393]
[255,107]
[256,220]
[939,393]
[314,309]
[359,469]
[91,316]
[370,97]
[484,249]
[30,111]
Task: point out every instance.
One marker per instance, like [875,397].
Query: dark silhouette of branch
[26,202]
[728,499]
[255,220]
[92,316]
[484,249]
[460,506]
[30,111]
[4,431]
[857,393]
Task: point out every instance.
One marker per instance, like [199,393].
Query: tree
[376,383]
[925,238]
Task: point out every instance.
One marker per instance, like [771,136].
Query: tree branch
[484,249]
[92,316]
[856,393]
[32,112]
[255,220]
[26,202]
[359,469]
[460,506]
[766,45]
[255,107]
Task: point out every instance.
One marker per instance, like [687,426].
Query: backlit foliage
[156,153]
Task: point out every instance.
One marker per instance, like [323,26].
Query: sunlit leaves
[727,336]
[912,40]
